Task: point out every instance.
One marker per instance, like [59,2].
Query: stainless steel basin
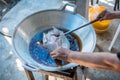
[48,18]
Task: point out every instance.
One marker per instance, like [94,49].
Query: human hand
[106,15]
[60,54]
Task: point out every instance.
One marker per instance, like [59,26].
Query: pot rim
[41,66]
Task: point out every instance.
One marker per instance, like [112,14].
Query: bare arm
[108,15]
[117,14]
[96,60]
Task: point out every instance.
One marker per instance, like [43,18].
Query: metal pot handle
[69,7]
[28,67]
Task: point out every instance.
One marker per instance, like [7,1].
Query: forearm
[95,60]
[116,15]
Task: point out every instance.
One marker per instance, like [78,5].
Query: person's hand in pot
[95,60]
[60,54]
[108,15]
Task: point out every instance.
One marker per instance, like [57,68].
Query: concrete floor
[11,67]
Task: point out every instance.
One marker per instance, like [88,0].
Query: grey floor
[10,65]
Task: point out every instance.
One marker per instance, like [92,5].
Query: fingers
[54,57]
[104,18]
[54,54]
[101,16]
[60,54]
[106,15]
[101,19]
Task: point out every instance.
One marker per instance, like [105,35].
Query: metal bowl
[48,18]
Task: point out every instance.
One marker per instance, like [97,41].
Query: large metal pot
[48,18]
